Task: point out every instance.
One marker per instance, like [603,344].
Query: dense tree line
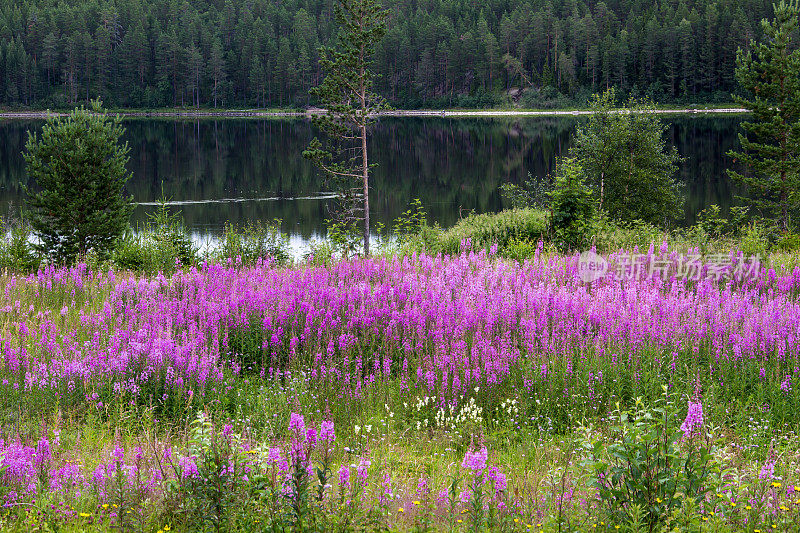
[153,53]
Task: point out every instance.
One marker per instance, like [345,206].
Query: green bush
[484,230]
[253,242]
[611,236]
[652,464]
[789,242]
[519,249]
[572,207]
[162,245]
[17,254]
[755,239]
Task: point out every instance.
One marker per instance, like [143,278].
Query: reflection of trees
[705,141]
[450,164]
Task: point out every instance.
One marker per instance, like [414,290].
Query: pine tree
[346,93]
[770,73]
[78,165]
[216,68]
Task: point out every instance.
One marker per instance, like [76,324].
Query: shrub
[17,254]
[520,249]
[484,230]
[253,242]
[789,242]
[161,245]
[571,206]
[755,239]
[532,193]
[651,462]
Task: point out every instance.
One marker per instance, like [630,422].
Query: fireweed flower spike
[694,420]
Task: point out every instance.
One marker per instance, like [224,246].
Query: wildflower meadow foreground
[406,393]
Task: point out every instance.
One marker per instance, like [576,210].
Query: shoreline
[455,113]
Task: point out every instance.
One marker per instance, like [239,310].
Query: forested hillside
[224,53]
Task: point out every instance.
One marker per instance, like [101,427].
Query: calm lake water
[241,170]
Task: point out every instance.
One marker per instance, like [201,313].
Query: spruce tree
[78,166]
[769,72]
[350,103]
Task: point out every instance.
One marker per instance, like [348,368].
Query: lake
[238,170]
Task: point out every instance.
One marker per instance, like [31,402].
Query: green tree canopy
[626,161]
[78,166]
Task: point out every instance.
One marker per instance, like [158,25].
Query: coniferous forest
[437,53]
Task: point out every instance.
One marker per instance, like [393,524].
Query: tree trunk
[363,130]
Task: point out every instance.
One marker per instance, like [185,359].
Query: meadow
[405,393]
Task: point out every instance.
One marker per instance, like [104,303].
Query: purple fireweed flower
[118,454]
[475,461]
[422,487]
[362,470]
[497,478]
[43,452]
[188,467]
[297,424]
[311,437]
[767,471]
[694,419]
[326,432]
[344,476]
[274,455]
[387,493]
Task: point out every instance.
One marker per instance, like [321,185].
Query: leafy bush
[532,193]
[484,230]
[572,207]
[789,242]
[651,462]
[410,223]
[710,220]
[254,242]
[17,254]
[162,245]
[755,239]
[519,249]
[611,236]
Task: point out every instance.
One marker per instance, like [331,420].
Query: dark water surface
[242,170]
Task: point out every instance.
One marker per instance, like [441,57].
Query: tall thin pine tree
[350,105]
